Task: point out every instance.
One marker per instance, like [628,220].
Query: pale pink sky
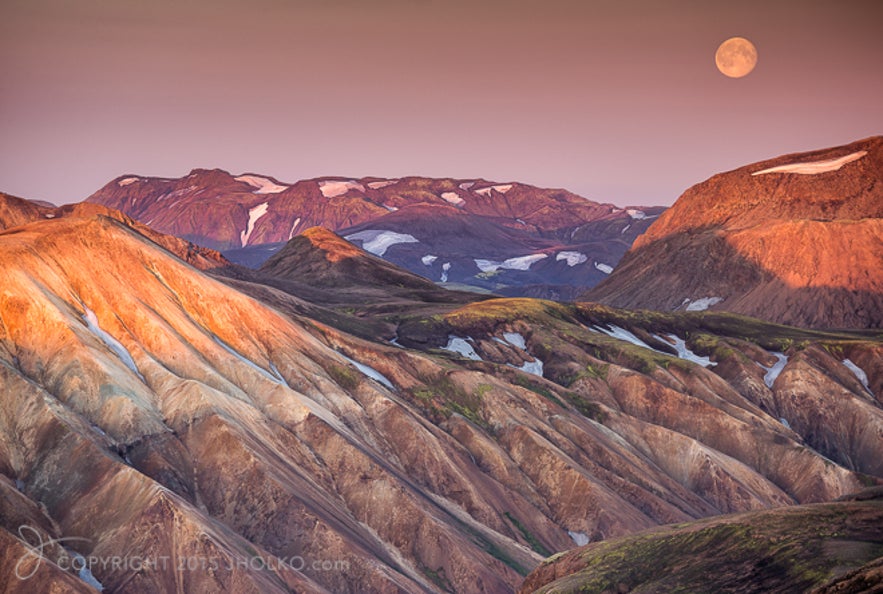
[616,100]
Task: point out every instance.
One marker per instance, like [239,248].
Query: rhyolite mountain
[15,211]
[796,240]
[155,409]
[511,238]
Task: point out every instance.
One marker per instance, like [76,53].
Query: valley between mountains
[327,420]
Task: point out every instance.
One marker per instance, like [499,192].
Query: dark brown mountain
[320,258]
[821,548]
[484,234]
[796,240]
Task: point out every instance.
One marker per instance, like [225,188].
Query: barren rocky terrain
[154,411]
[794,240]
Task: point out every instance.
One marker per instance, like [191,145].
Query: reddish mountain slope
[797,240]
[149,411]
[18,211]
[444,229]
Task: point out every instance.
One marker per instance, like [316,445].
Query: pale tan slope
[156,412]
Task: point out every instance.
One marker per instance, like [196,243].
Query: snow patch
[785,422]
[461,347]
[84,573]
[274,378]
[293,227]
[519,263]
[636,214]
[263,185]
[626,228]
[535,367]
[859,374]
[515,339]
[580,538]
[444,275]
[332,189]
[127,181]
[573,258]
[605,268]
[814,167]
[486,192]
[378,241]
[702,303]
[379,185]
[428,259]
[684,351]
[773,372]
[254,214]
[390,208]
[623,334]
[466,185]
[370,372]
[110,342]
[452,198]
[49,216]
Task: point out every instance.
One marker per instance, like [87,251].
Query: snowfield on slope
[859,373]
[370,372]
[377,241]
[518,263]
[572,258]
[452,198]
[110,342]
[379,185]
[254,214]
[684,351]
[486,192]
[605,268]
[701,304]
[334,188]
[263,185]
[462,347]
[814,167]
[773,372]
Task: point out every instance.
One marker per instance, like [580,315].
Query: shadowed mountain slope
[822,548]
[796,240]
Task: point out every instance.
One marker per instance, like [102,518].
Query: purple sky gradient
[618,101]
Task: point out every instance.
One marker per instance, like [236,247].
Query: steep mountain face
[494,236]
[795,240]
[822,548]
[152,412]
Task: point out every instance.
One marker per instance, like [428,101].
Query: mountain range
[513,238]
[328,421]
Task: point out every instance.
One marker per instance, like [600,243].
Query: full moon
[736,57]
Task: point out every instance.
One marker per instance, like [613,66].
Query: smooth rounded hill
[835,547]
[796,240]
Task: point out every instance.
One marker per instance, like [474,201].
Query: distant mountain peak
[439,228]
